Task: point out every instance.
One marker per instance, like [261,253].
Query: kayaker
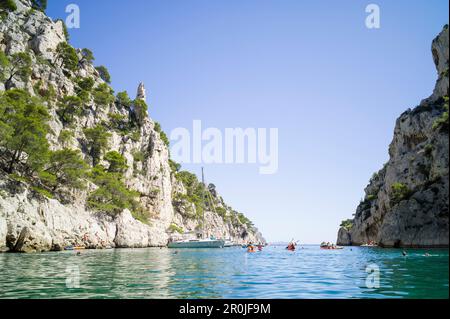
[291,246]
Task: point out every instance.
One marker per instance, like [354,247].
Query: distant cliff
[81,165]
[406,202]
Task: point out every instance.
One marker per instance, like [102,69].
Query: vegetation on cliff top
[442,122]
[25,149]
[8,5]
[347,224]
[201,197]
[104,73]
[68,56]
[111,196]
[14,67]
[39,4]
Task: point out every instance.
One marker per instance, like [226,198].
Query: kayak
[251,249]
[74,248]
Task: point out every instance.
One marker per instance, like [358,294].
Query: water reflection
[225,273]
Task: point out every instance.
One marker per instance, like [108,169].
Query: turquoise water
[226,273]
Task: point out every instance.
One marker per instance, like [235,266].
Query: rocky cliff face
[31,221]
[406,202]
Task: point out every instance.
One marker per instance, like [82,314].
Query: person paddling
[291,246]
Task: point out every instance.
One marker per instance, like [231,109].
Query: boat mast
[203,202]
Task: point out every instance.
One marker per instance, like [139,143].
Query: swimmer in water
[404,253]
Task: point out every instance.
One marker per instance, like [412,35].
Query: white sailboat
[229,243]
[198,243]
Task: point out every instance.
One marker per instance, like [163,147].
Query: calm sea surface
[227,273]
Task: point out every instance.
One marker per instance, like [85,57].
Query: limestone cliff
[32,220]
[406,202]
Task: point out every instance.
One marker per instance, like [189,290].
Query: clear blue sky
[310,68]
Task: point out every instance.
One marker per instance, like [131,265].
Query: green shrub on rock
[88,56]
[117,162]
[65,167]
[39,5]
[138,156]
[23,131]
[118,122]
[175,228]
[140,110]
[69,108]
[196,191]
[4,62]
[442,122]
[16,67]
[174,166]
[9,5]
[65,136]
[222,212]
[103,95]
[399,192]
[112,196]
[123,99]
[86,84]
[162,134]
[104,73]
[97,141]
[83,89]
[48,94]
[68,56]
[42,192]
[347,224]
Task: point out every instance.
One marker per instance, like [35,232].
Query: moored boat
[370,244]
[197,243]
[330,246]
[228,243]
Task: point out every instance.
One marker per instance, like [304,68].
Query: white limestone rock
[52,224]
[130,232]
[419,157]
[3,233]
